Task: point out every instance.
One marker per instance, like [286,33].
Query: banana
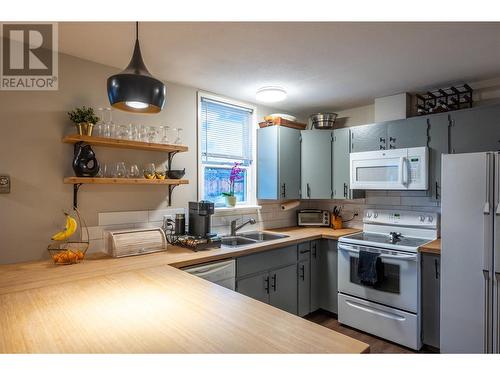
[68,231]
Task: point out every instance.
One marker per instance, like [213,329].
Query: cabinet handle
[303,270]
[391,139]
[345,190]
[436,190]
[283,190]
[382,140]
[315,252]
[274,282]
[436,268]
[266,287]
[308,191]
[391,147]
[382,147]
[304,251]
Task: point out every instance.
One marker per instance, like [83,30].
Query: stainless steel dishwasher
[221,273]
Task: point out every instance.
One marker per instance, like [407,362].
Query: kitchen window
[226,134]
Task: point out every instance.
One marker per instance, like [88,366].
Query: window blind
[225,133]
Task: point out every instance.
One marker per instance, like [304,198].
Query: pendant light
[135,89]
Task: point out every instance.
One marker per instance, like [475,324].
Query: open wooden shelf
[122,181]
[124,143]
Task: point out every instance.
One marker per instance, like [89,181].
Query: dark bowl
[176,173]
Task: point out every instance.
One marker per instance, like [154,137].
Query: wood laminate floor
[377,345]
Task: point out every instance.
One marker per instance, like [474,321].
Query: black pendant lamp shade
[135,89]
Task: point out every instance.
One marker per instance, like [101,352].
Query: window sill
[238,208]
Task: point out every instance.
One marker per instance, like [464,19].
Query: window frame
[251,169]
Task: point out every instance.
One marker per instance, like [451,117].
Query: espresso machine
[200,219]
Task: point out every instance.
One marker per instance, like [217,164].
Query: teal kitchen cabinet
[278,163]
[329,285]
[406,133]
[316,164]
[475,130]
[270,277]
[439,125]
[341,168]
[371,137]
[430,299]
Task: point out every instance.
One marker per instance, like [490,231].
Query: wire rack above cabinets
[444,100]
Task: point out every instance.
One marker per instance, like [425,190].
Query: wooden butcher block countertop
[143,305]
[433,247]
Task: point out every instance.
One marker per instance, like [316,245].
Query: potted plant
[84,118]
[236,174]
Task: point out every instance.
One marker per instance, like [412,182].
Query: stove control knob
[375,215]
[422,218]
[368,215]
[430,219]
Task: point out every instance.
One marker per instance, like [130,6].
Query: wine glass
[164,138]
[178,137]
[149,171]
[133,171]
[121,170]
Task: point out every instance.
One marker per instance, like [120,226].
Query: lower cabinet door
[304,285]
[256,286]
[328,276]
[315,274]
[430,299]
[283,288]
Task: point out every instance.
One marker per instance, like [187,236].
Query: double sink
[250,238]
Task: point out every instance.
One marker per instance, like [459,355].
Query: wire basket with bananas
[64,251]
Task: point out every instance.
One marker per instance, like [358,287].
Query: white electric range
[391,307]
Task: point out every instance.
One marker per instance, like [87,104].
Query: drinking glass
[133,132]
[164,138]
[149,171]
[178,139]
[143,133]
[121,170]
[152,134]
[133,171]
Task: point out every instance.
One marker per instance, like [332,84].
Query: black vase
[85,163]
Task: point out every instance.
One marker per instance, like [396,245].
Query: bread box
[127,242]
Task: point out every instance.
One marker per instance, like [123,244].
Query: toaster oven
[313,218]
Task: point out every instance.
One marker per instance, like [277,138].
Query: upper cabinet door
[316,164]
[289,163]
[341,163]
[407,133]
[438,145]
[475,130]
[369,138]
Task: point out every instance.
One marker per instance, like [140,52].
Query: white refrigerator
[470,254]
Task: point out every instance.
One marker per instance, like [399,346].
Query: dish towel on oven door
[370,268]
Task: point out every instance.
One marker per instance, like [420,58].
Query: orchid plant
[236,175]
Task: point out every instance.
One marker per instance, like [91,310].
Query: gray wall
[32,125]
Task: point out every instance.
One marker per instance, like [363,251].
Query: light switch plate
[4,184]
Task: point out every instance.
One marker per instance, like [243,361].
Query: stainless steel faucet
[234,228]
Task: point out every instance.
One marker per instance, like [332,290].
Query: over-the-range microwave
[398,169]
[313,218]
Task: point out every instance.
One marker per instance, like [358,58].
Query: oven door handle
[383,256]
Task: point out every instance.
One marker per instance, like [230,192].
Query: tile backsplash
[269,216]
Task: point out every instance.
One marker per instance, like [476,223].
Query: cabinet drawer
[304,251]
[264,261]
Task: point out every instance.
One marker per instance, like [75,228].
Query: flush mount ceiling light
[270,94]
[135,89]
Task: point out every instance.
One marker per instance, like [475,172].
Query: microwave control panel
[414,162]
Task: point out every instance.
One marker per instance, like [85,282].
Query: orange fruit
[79,254]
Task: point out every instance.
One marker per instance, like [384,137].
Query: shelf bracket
[170,190]
[76,187]
[170,157]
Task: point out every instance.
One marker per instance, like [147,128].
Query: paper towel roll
[289,205]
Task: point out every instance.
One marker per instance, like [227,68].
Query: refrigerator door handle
[486,313]
[497,303]
[486,209]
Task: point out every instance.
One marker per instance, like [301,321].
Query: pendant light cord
[137,30]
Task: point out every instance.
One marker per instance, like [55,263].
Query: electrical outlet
[4,184]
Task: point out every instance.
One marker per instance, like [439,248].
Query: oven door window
[390,280]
